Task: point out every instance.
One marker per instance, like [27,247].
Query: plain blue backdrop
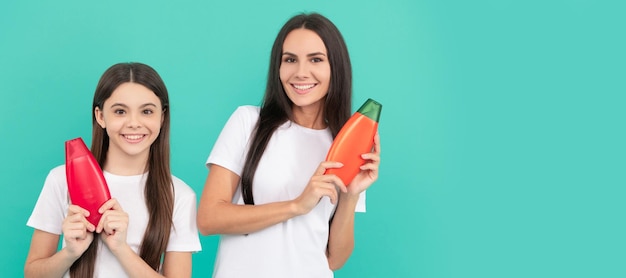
[502,126]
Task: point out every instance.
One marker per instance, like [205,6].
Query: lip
[303,88]
[133,138]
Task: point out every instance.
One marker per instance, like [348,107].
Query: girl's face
[304,68]
[132,117]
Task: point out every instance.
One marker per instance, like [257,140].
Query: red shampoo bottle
[85,181]
[355,138]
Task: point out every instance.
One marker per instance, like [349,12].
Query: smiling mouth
[303,87]
[134,137]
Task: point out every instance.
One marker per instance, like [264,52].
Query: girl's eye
[119,112]
[148,111]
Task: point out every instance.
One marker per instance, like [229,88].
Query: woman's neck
[309,118]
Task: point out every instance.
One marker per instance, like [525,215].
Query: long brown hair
[276,106]
[159,192]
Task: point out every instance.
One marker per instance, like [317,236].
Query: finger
[329,187]
[373,157]
[111,227]
[110,204]
[369,169]
[116,217]
[339,183]
[81,221]
[377,143]
[76,234]
[78,219]
[332,194]
[334,198]
[321,169]
[369,166]
[75,218]
[90,227]
[112,216]
[100,224]
[75,230]
[74,209]
[323,189]
[330,181]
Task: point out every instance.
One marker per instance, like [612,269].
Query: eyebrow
[308,55]
[126,106]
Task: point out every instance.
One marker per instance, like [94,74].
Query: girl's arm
[341,235]
[218,215]
[43,259]
[113,229]
[175,264]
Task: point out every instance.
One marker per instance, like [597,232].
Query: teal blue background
[502,126]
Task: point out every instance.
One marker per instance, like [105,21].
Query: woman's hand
[320,185]
[369,171]
[77,231]
[113,225]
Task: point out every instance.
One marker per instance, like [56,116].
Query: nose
[302,70]
[133,120]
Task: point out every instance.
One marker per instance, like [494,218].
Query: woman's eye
[289,60]
[119,112]
[148,111]
[316,60]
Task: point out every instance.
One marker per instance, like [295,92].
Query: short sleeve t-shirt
[293,248]
[51,209]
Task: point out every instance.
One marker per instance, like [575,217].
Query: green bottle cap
[371,109]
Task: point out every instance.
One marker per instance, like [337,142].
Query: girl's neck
[124,165]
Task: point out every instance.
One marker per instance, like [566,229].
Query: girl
[147,229]
[266,192]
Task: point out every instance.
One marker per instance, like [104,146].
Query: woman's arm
[218,215]
[341,235]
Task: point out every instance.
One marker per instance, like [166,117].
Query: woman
[266,192]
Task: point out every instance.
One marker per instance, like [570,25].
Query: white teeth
[304,87]
[133,137]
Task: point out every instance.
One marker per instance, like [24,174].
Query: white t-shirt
[53,202]
[293,248]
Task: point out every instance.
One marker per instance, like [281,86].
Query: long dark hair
[159,190]
[276,106]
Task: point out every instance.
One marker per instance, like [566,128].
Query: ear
[99,117]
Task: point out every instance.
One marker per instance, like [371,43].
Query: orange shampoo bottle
[355,138]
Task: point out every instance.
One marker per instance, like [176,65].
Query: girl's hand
[320,185]
[113,225]
[77,231]
[369,171]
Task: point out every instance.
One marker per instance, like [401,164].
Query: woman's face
[304,68]
[132,116]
